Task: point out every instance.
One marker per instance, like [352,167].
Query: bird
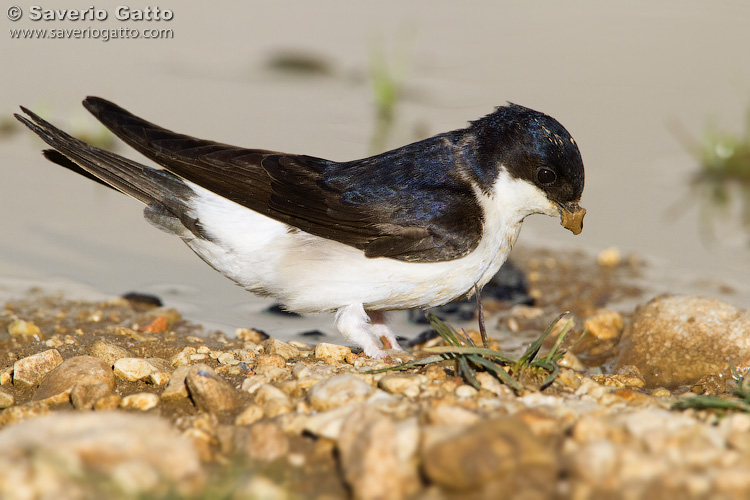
[415,227]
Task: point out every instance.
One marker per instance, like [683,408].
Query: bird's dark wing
[407,204]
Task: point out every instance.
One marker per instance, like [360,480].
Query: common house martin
[414,227]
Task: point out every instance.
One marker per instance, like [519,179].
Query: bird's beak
[571,217]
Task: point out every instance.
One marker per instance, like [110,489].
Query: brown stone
[108,402]
[337,391]
[176,387]
[677,340]
[270,360]
[6,398]
[134,453]
[499,451]
[369,456]
[209,391]
[283,349]
[79,370]
[31,370]
[109,353]
[16,414]
[263,441]
[83,396]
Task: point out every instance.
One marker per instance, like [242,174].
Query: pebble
[227,358]
[79,370]
[273,401]
[133,369]
[369,456]
[489,383]
[6,398]
[162,371]
[283,349]
[254,382]
[449,414]
[609,257]
[400,383]
[303,371]
[594,463]
[209,391]
[677,340]
[333,352]
[142,401]
[500,450]
[6,375]
[264,441]
[604,324]
[99,447]
[15,414]
[327,424]
[436,373]
[183,357]
[249,415]
[84,396]
[176,387]
[261,487]
[270,360]
[337,391]
[31,370]
[274,373]
[465,391]
[108,402]
[250,335]
[109,353]
[24,328]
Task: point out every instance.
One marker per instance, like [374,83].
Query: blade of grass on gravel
[498,371]
[468,373]
[533,349]
[444,329]
[410,364]
[712,403]
[552,354]
[492,353]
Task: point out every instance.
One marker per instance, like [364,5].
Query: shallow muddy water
[621,79]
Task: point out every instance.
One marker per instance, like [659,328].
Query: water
[618,77]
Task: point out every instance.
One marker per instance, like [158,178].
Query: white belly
[311,274]
[307,273]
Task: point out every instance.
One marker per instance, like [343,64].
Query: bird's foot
[364,328]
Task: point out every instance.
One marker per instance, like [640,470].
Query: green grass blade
[409,364]
[469,374]
[498,371]
[552,355]
[711,403]
[443,329]
[550,378]
[492,353]
[533,349]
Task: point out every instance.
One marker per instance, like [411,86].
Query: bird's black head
[534,147]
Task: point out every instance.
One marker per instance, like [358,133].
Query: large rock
[493,456]
[369,456]
[676,340]
[86,455]
[79,370]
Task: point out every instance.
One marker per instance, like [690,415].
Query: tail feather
[160,190]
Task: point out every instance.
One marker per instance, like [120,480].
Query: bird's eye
[545,176]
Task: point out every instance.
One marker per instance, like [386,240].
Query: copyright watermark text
[121,13]
[92,15]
